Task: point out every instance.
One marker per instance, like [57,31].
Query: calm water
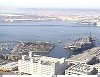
[48,33]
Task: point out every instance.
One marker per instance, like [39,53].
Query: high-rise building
[42,65]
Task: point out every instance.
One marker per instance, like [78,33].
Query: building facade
[41,65]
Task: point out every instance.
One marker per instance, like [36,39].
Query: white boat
[59,41]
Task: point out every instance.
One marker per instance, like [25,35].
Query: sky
[51,3]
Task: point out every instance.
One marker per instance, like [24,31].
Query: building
[81,69]
[41,65]
[9,66]
[89,56]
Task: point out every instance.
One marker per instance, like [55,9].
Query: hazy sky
[51,3]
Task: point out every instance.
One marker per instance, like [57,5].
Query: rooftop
[45,60]
[87,55]
[11,64]
[80,68]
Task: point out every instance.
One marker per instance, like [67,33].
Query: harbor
[50,38]
[88,56]
[8,33]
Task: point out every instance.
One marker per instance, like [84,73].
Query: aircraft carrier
[81,44]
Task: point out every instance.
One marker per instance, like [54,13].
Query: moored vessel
[81,44]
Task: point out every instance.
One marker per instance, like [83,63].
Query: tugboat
[81,44]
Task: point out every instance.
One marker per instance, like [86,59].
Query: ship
[86,23]
[81,44]
[40,46]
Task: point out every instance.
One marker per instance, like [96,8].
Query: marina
[6,46]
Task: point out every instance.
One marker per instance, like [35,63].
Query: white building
[81,69]
[41,65]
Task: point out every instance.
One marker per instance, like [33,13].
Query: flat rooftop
[45,60]
[82,68]
[87,55]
